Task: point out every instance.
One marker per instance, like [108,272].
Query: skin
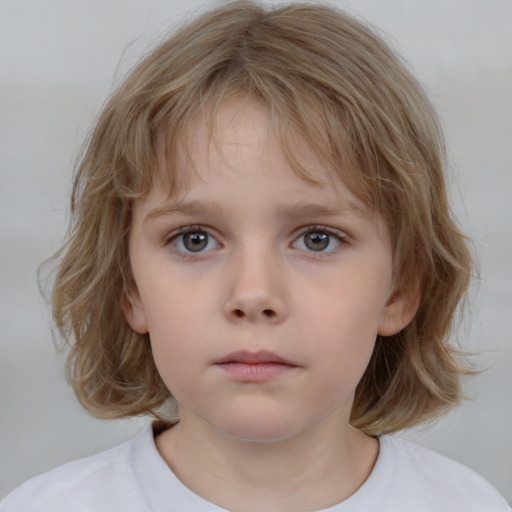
[257,283]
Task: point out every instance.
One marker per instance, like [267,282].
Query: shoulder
[423,477]
[87,484]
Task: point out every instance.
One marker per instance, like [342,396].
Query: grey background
[58,61]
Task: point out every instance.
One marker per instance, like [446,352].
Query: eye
[193,240]
[319,240]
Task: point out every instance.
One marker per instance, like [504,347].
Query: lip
[261,366]
[259,357]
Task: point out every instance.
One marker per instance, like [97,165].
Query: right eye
[319,239]
[193,241]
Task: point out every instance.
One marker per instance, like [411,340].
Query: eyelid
[338,233]
[188,228]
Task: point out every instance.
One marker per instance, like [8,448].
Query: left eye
[318,241]
[194,242]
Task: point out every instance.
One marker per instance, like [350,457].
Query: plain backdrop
[59,60]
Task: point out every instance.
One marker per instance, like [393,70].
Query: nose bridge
[256,283]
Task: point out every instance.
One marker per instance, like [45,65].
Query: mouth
[261,366]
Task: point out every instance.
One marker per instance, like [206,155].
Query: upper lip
[248,357]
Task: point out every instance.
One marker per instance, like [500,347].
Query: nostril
[240,313]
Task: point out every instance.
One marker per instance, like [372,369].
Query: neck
[311,471]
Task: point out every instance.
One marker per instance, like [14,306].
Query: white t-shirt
[133,477]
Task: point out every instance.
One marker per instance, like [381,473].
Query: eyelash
[175,235]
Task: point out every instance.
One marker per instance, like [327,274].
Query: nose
[256,288]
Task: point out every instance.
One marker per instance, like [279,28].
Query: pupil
[316,241]
[195,242]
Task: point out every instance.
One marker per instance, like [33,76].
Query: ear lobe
[399,311]
[133,311]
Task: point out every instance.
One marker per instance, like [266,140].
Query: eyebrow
[297,210]
[188,208]
[344,208]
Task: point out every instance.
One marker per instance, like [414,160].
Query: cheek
[173,300]
[174,354]
[343,318]
[348,304]
[177,315]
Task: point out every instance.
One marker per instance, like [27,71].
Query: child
[261,235]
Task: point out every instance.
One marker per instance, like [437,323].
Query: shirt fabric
[133,477]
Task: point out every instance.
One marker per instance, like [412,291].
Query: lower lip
[257,372]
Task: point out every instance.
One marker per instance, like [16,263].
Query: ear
[133,311]
[399,311]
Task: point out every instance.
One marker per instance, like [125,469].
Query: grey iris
[196,241]
[316,241]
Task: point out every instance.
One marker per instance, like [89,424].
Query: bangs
[312,77]
[298,119]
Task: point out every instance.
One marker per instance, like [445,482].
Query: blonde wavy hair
[328,77]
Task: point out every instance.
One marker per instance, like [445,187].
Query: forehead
[242,140]
[235,159]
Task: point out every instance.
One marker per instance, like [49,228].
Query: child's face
[262,293]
